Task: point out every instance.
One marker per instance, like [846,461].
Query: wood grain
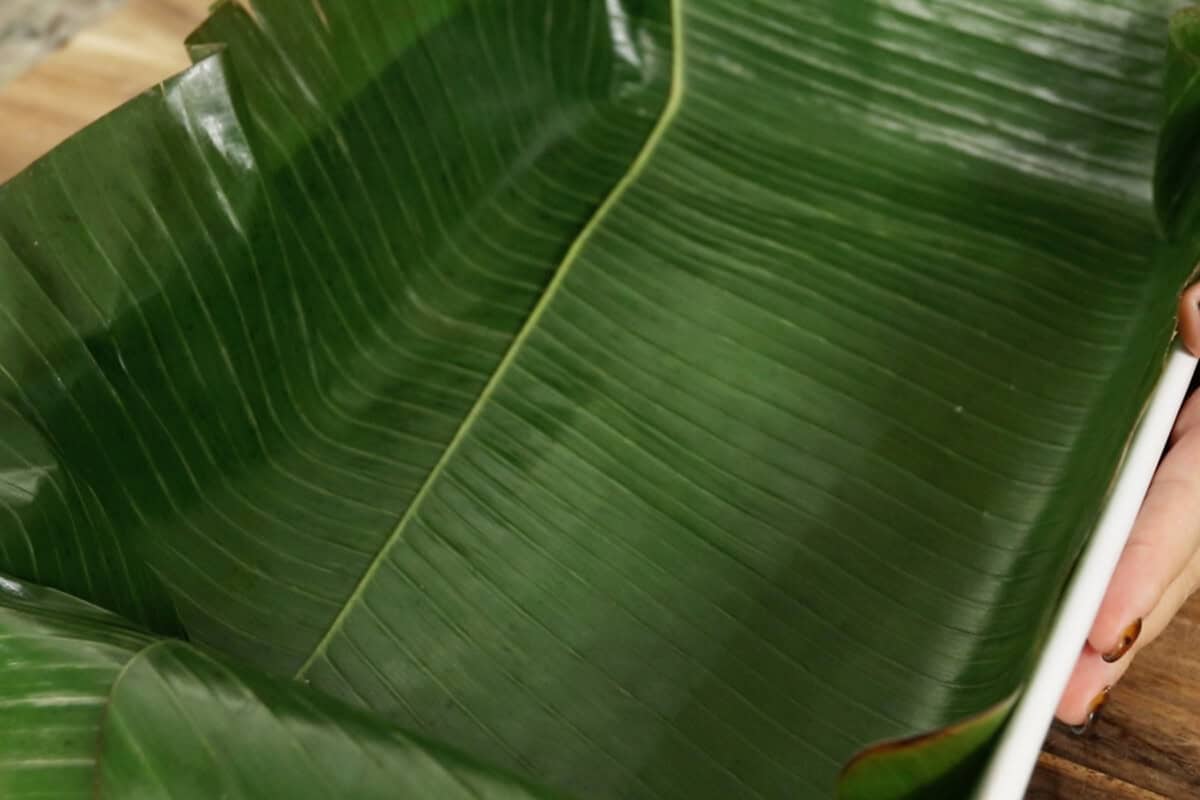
[128,52]
[1145,747]
[1059,777]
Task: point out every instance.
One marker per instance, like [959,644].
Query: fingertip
[1125,642]
[1114,639]
[1189,318]
[1087,683]
[1106,633]
[1118,624]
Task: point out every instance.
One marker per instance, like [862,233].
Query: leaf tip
[930,764]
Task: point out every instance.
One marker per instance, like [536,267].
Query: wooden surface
[126,53]
[1146,746]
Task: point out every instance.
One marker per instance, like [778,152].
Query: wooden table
[1145,747]
[105,65]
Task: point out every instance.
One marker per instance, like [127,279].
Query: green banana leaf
[613,398]
[92,705]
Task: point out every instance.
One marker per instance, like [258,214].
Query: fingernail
[1094,709]
[1128,637]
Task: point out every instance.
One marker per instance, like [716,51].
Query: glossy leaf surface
[649,398]
[182,725]
[59,657]
[94,709]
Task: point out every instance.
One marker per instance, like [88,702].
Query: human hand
[1160,566]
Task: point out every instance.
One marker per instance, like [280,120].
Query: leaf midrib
[637,166]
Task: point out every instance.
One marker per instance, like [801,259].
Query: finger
[1188,421]
[1164,538]
[1087,690]
[1085,694]
[1189,318]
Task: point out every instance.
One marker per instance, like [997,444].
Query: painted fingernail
[1128,637]
[1094,709]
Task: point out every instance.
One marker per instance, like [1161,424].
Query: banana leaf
[93,704]
[604,398]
